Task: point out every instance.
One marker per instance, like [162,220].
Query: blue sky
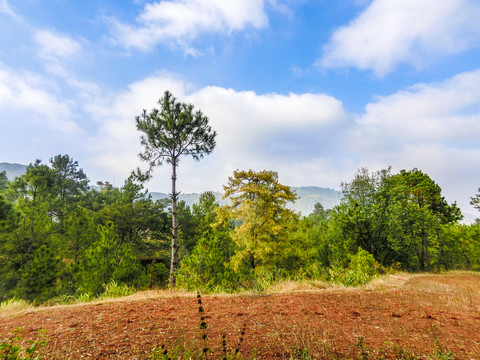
[311,89]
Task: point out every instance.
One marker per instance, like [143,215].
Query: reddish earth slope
[415,314]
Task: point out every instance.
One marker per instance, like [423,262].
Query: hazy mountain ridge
[308,196]
[12,170]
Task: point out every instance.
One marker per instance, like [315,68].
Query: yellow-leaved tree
[259,210]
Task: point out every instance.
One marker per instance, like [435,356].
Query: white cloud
[308,138]
[433,127]
[181,21]
[389,33]
[53,46]
[270,131]
[441,112]
[7,9]
[27,94]
[249,121]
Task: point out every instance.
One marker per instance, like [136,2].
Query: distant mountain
[13,170]
[308,197]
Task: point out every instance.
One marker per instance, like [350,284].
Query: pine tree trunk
[174,197]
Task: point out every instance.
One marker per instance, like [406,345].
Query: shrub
[361,269]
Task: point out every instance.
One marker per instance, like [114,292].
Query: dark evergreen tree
[168,133]
[3,180]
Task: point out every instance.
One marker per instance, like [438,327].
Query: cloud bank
[309,138]
[389,33]
[181,21]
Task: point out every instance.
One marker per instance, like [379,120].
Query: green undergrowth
[15,348]
[110,291]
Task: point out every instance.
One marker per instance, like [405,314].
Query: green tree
[475,200]
[139,222]
[433,212]
[36,185]
[69,179]
[397,218]
[70,183]
[204,211]
[106,260]
[258,207]
[3,180]
[8,215]
[361,220]
[207,268]
[168,133]
[38,280]
[31,195]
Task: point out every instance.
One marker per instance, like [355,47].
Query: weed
[84,297]
[114,290]
[363,349]
[442,354]
[13,348]
[178,350]
[300,354]
[202,326]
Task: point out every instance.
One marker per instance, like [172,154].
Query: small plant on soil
[179,352]
[15,348]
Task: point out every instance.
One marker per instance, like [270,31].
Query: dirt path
[425,315]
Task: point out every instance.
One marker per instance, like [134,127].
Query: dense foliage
[61,237]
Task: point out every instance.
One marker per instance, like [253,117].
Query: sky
[312,89]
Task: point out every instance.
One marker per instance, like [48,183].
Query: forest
[61,237]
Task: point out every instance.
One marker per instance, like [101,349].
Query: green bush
[105,261]
[207,269]
[114,290]
[361,269]
[38,280]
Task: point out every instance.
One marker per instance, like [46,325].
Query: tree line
[60,236]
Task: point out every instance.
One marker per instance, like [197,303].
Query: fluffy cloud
[430,126]
[389,33]
[183,20]
[447,112]
[54,46]
[310,139]
[271,131]
[27,94]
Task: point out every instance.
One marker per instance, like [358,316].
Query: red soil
[423,315]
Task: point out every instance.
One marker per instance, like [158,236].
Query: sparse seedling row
[205,352]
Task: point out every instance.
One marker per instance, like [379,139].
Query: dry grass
[290,286]
[456,288]
[12,306]
[389,281]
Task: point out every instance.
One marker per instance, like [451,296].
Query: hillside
[415,316]
[12,170]
[308,197]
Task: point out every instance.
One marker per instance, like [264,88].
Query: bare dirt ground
[420,314]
